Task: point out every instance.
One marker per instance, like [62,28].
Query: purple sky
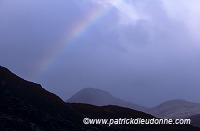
[142,51]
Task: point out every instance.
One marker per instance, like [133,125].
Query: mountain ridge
[171,109]
[27,106]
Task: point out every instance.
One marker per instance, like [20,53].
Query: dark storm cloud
[138,51]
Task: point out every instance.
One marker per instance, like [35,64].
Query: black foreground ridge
[26,106]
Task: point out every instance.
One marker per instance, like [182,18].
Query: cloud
[137,48]
[128,11]
[185,12]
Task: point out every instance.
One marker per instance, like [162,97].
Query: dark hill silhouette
[26,106]
[195,120]
[101,98]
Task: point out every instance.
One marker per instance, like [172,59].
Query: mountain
[26,106]
[176,109]
[113,112]
[100,98]
[195,120]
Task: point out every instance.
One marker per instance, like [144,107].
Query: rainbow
[73,34]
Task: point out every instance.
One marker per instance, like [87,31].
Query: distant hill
[101,98]
[26,106]
[176,109]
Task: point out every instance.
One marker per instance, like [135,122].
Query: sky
[142,51]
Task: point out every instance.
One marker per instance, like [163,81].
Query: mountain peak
[91,96]
[94,90]
[100,97]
